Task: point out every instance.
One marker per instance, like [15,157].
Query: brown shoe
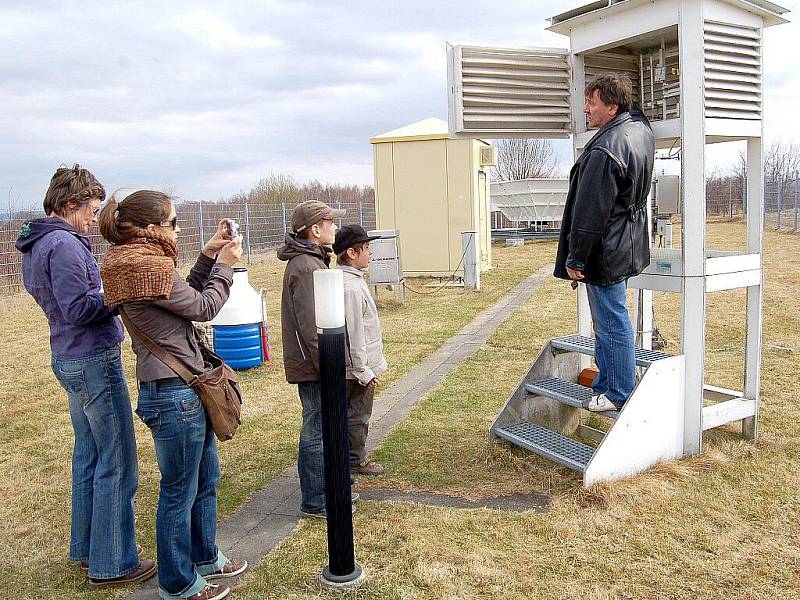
[211,592]
[367,467]
[147,568]
[139,553]
[232,568]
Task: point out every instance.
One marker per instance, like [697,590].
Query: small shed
[431,188]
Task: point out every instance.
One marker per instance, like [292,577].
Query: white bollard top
[329,298]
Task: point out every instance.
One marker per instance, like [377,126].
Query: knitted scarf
[139,269]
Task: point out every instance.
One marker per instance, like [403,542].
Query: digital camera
[232,228]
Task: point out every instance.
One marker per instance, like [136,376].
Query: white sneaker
[600,403]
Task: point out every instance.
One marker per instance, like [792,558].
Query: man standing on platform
[604,232]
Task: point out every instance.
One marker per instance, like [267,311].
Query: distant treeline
[282,188]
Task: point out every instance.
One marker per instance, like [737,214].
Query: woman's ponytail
[107,220]
[121,221]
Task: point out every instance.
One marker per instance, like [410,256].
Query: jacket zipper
[297,335]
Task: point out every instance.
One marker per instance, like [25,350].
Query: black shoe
[320,514]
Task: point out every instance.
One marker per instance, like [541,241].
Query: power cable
[451,277]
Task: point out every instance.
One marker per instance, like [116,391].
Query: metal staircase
[546,414]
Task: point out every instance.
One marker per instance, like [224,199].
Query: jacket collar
[351,270]
[615,122]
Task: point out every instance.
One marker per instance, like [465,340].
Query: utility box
[667,194]
[432,187]
[384,265]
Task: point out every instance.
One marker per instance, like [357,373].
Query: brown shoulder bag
[217,386]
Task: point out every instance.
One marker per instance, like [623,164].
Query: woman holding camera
[60,272]
[139,274]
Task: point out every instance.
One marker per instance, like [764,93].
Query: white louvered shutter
[508,92]
[733,71]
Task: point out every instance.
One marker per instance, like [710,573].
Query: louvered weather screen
[733,71]
[507,92]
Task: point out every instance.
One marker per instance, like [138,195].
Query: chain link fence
[262,226]
[781,203]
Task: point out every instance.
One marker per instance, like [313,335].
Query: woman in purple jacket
[61,273]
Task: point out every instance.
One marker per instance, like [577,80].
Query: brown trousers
[359,411]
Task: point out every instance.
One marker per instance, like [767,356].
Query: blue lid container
[239,345]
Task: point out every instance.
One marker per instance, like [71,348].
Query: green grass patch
[37,434]
[722,525]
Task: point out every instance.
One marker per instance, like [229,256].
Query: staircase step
[548,444]
[585,345]
[566,392]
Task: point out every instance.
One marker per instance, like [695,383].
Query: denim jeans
[104,468]
[186,519]
[310,462]
[614,346]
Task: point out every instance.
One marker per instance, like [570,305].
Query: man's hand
[373,382]
[574,275]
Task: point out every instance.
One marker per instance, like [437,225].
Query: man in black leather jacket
[604,234]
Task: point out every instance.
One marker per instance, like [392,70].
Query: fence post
[247,228]
[283,216]
[780,185]
[360,214]
[730,198]
[795,200]
[339,206]
[202,233]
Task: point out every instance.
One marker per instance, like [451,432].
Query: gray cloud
[208,97]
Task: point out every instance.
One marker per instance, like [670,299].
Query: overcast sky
[206,98]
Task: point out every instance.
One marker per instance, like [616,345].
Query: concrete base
[344,583]
[513,242]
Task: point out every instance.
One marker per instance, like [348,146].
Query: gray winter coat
[364,357]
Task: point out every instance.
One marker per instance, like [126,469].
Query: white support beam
[693,305]
[727,412]
[755,293]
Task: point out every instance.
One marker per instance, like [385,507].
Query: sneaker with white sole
[232,568]
[600,403]
[211,592]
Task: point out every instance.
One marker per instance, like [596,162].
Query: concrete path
[272,514]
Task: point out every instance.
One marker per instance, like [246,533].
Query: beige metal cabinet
[431,188]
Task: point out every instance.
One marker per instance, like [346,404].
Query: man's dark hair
[613,88]
[71,185]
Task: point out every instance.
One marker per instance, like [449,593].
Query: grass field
[722,525]
[37,436]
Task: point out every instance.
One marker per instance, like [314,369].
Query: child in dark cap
[364,353]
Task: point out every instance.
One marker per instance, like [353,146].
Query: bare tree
[275,189]
[524,158]
[781,163]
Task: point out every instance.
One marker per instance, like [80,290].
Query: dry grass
[37,436]
[725,524]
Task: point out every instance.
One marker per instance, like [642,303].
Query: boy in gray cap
[305,250]
[364,353]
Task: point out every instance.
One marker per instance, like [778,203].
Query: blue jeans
[310,462]
[186,519]
[614,346]
[104,469]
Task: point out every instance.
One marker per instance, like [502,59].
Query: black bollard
[342,570]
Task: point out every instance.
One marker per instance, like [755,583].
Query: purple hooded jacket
[61,273]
